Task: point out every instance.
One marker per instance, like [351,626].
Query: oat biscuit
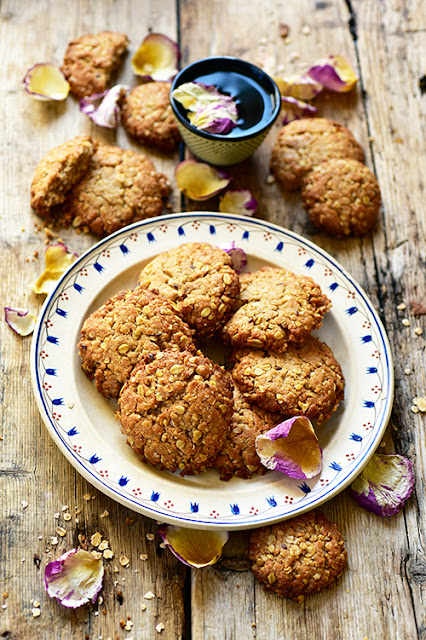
[199,279]
[176,410]
[303,144]
[298,557]
[342,197]
[60,169]
[238,455]
[120,187]
[90,60]
[276,307]
[147,116]
[129,326]
[304,380]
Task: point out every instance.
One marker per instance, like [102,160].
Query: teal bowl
[258,101]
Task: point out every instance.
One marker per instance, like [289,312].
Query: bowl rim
[217,136]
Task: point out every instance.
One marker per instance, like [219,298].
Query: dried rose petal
[58,259]
[334,73]
[193,547]
[157,58]
[301,87]
[45,81]
[291,448]
[209,109]
[385,484]
[237,255]
[239,201]
[104,108]
[294,109]
[200,181]
[75,578]
[20,320]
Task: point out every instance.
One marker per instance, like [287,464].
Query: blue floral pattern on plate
[82,422]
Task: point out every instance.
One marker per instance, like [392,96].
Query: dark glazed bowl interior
[264,97]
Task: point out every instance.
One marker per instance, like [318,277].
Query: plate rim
[185,520]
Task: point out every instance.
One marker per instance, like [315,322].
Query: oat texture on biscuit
[90,60]
[147,116]
[129,326]
[303,144]
[298,557]
[199,279]
[60,169]
[342,197]
[238,455]
[276,307]
[304,380]
[120,187]
[176,410]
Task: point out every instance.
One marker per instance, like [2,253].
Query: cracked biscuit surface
[303,144]
[304,380]
[238,455]
[276,307]
[176,410]
[120,187]
[60,169]
[130,325]
[199,279]
[147,116]
[342,197]
[90,60]
[300,556]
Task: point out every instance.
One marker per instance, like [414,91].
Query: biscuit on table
[60,169]
[147,116]
[90,60]
[275,307]
[199,279]
[176,410]
[238,455]
[302,144]
[304,380]
[129,326]
[120,187]
[342,197]
[298,557]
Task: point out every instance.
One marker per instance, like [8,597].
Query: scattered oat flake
[405,322]
[105,514]
[81,538]
[143,556]
[36,612]
[401,306]
[159,628]
[87,497]
[124,561]
[129,625]
[24,504]
[420,403]
[306,30]
[143,607]
[67,517]
[149,595]
[36,603]
[418,331]
[96,539]
[108,554]
[61,531]
[103,545]
[54,540]
[57,515]
[270,179]
[96,554]
[64,507]
[407,372]
[150,536]
[414,409]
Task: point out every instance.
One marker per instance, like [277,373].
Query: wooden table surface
[381,595]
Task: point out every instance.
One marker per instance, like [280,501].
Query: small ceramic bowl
[258,101]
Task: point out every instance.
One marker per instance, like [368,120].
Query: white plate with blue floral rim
[82,422]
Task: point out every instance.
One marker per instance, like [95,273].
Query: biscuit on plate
[304,380]
[238,455]
[199,279]
[302,144]
[275,307]
[60,169]
[90,60]
[342,197]
[176,410]
[297,557]
[120,187]
[147,116]
[129,326]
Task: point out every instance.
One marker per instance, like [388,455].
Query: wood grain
[381,596]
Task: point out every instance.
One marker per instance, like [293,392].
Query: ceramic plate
[82,422]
